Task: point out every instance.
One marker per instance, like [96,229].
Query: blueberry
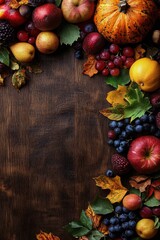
[117,130]
[118,209]
[120,124]
[126,120]
[152,128]
[106,221]
[125,210]
[125,225]
[109,173]
[111,229]
[113,124]
[90,27]
[78,54]
[116,143]
[112,235]
[129,233]
[123,217]
[131,215]
[138,128]
[137,121]
[129,128]
[144,118]
[114,220]
[151,118]
[120,149]
[132,224]
[110,141]
[118,228]
[124,144]
[146,127]
[123,135]
[157,134]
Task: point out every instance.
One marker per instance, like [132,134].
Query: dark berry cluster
[122,132]
[122,223]
[7,33]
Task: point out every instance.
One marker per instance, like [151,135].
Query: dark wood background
[53,142]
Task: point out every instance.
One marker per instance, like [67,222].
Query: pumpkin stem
[123,6]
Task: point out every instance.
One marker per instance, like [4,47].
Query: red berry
[31,29]
[128,52]
[115,72]
[22,36]
[118,62]
[111,134]
[129,61]
[110,64]
[156,211]
[100,65]
[105,55]
[105,72]
[31,40]
[114,48]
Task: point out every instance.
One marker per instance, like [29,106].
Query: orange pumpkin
[125,21]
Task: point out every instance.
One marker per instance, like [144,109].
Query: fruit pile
[120,39]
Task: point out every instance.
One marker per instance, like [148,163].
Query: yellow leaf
[16,4]
[89,66]
[117,190]
[117,96]
[94,217]
[46,236]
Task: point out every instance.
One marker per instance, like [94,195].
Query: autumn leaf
[117,96]
[154,189]
[139,52]
[94,217]
[1,80]
[140,182]
[89,66]
[46,236]
[117,190]
[103,229]
[16,4]
[113,113]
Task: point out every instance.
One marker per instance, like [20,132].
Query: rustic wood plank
[53,142]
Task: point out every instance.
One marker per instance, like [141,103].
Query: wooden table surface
[53,142]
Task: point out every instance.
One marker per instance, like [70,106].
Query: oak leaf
[117,190]
[89,66]
[140,182]
[46,236]
[16,4]
[94,217]
[115,97]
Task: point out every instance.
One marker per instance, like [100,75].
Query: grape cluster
[112,59]
[122,223]
[122,132]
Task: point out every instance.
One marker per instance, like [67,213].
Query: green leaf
[122,79]
[135,191]
[102,206]
[138,104]
[157,222]
[95,235]
[4,56]
[152,202]
[76,229]
[85,220]
[58,2]
[68,33]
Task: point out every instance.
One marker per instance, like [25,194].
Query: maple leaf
[154,189]
[140,182]
[117,190]
[46,236]
[115,97]
[16,4]
[94,217]
[139,52]
[89,66]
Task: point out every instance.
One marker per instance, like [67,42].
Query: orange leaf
[16,4]
[89,66]
[139,52]
[94,217]
[103,229]
[46,236]
[140,182]
[117,190]
[117,96]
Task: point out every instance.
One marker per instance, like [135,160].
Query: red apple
[47,17]
[13,16]
[144,154]
[132,202]
[76,11]
[93,43]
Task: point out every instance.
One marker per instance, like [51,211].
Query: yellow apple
[47,42]
[145,228]
[22,51]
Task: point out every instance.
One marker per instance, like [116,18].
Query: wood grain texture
[53,142]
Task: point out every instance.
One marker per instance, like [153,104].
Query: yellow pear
[145,228]
[24,52]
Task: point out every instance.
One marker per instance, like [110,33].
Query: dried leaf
[83,238]
[117,190]
[46,236]
[89,66]
[1,80]
[19,78]
[94,217]
[16,4]
[140,182]
[139,52]
[117,96]
[156,187]
[103,229]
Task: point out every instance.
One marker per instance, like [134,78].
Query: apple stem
[123,6]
